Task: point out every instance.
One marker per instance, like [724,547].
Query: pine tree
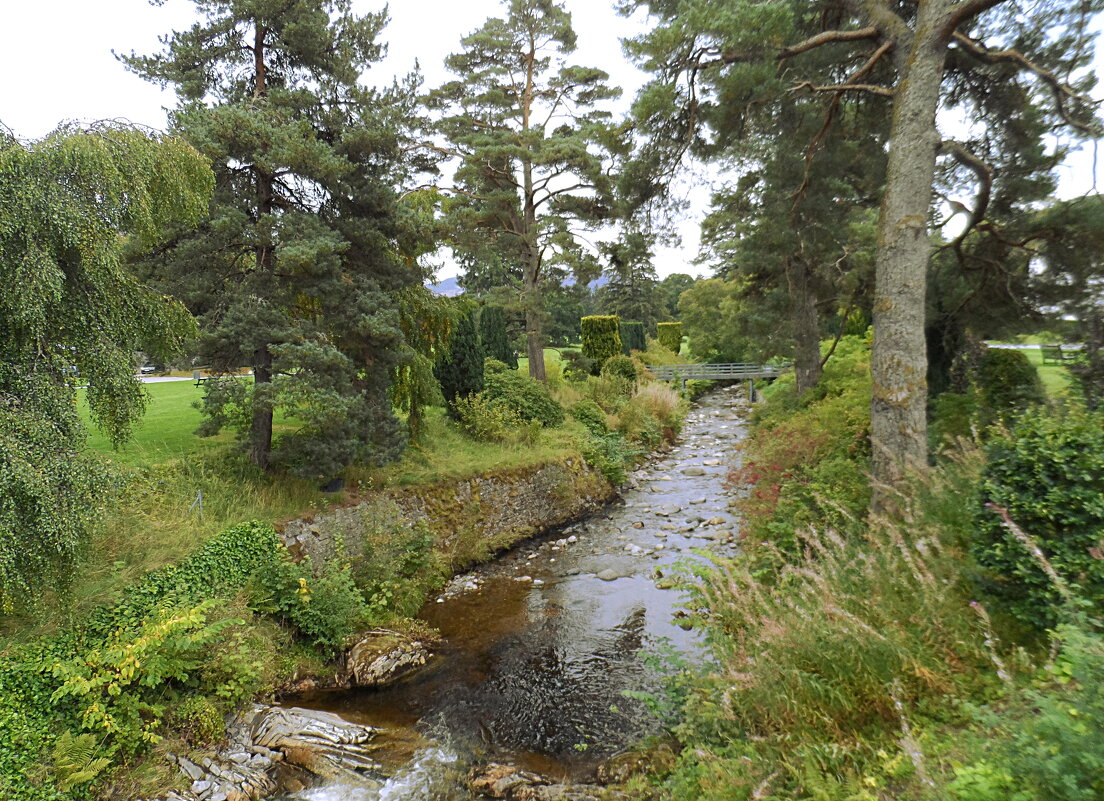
[535,148]
[717,58]
[295,274]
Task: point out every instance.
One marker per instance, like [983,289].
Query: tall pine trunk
[805,324]
[260,431]
[898,424]
[534,329]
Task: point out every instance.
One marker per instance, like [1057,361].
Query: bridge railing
[735,370]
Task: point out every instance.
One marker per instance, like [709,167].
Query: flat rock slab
[693,471]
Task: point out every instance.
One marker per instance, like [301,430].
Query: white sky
[56,64]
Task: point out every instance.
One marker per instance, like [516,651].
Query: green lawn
[1056,379]
[166,431]
[551,356]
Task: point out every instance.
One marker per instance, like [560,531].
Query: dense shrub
[486,420]
[460,370]
[325,609]
[657,354]
[637,425]
[601,336]
[493,336]
[529,399]
[396,565]
[576,366]
[610,454]
[1007,382]
[670,336]
[590,414]
[1048,473]
[632,337]
[623,367]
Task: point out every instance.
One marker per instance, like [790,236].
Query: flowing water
[541,645]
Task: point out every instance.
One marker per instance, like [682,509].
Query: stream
[540,645]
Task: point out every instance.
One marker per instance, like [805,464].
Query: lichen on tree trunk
[898,424]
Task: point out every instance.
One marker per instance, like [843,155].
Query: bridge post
[751,390]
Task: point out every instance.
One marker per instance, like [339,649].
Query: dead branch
[874,89]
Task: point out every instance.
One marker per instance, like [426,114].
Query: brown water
[539,651]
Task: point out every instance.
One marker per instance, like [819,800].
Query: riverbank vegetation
[180,609]
[921,514]
[947,648]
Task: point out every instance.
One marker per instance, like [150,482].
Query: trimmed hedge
[632,337]
[670,336]
[601,336]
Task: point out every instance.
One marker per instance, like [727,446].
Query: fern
[75,760]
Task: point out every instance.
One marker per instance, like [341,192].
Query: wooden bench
[1053,354]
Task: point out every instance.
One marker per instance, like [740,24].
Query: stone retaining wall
[472,518]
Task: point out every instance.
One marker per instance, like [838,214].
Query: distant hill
[450,287]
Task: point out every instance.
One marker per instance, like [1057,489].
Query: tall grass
[820,662]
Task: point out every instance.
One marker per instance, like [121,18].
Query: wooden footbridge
[735,371]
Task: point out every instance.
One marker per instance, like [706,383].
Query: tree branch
[813,42]
[874,89]
[965,10]
[984,175]
[1060,90]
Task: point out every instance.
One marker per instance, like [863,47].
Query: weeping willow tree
[71,206]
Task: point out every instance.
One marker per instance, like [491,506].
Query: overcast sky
[56,64]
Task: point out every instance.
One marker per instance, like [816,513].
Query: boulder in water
[382,657]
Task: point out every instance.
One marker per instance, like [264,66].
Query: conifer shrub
[493,336]
[460,371]
[601,336]
[632,337]
[1048,475]
[1007,382]
[670,336]
[527,398]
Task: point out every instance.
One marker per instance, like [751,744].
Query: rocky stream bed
[524,695]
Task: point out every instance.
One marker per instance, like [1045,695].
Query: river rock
[320,742]
[382,657]
[609,574]
[693,471]
[668,509]
[508,783]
